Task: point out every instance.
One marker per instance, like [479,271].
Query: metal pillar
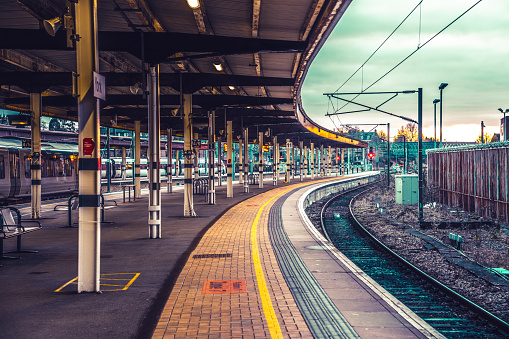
[154,137]
[188,158]
[288,163]
[108,160]
[388,156]
[219,162]
[278,163]
[342,161]
[169,161]
[137,156]
[133,171]
[229,162]
[322,162]
[306,161]
[211,195]
[338,162]
[330,161]
[301,146]
[35,156]
[312,158]
[419,147]
[294,165]
[241,164]
[275,158]
[89,236]
[260,159]
[123,170]
[246,160]
[195,159]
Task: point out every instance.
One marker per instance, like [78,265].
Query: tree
[382,135]
[409,131]
[487,138]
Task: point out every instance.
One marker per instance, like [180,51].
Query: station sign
[99,86]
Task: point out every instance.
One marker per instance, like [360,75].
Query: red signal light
[371,155]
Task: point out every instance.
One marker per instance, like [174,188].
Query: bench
[13,226]
[129,191]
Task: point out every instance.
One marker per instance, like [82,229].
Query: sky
[472,56]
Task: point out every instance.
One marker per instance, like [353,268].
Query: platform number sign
[99,86]
[196,143]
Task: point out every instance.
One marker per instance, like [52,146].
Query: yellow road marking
[268,309]
[124,286]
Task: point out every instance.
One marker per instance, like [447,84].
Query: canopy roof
[264,49]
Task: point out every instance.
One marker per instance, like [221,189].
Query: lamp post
[441,88]
[504,128]
[435,102]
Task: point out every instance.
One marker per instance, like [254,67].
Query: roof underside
[264,48]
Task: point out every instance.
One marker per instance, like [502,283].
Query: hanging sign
[99,86]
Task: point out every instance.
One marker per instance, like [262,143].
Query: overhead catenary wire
[378,48]
[408,56]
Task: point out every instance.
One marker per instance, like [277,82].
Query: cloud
[471,55]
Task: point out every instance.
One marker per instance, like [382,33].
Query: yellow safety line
[268,309]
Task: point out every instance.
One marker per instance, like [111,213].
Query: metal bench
[13,226]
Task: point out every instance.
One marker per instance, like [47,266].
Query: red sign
[88,146]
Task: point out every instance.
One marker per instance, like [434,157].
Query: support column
[35,156]
[246,160]
[241,164]
[275,158]
[322,162]
[337,161]
[260,159]
[123,170]
[137,156]
[89,235]
[169,161]
[342,161]
[288,163]
[278,163]
[294,165]
[154,137]
[312,158]
[195,159]
[211,195]
[219,162]
[301,146]
[188,158]
[306,162]
[229,162]
[329,161]
[108,160]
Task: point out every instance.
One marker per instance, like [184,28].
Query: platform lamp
[435,102]
[194,4]
[441,88]
[505,128]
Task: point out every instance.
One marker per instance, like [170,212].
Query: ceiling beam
[191,81]
[158,46]
[204,101]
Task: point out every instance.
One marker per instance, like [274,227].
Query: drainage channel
[445,313]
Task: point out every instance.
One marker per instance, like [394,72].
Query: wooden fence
[476,178]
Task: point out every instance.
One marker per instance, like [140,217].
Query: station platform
[248,267]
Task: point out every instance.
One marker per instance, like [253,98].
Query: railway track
[450,314]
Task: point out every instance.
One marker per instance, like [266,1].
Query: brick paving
[191,313]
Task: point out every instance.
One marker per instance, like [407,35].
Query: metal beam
[158,45]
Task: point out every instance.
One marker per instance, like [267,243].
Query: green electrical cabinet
[407,187]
